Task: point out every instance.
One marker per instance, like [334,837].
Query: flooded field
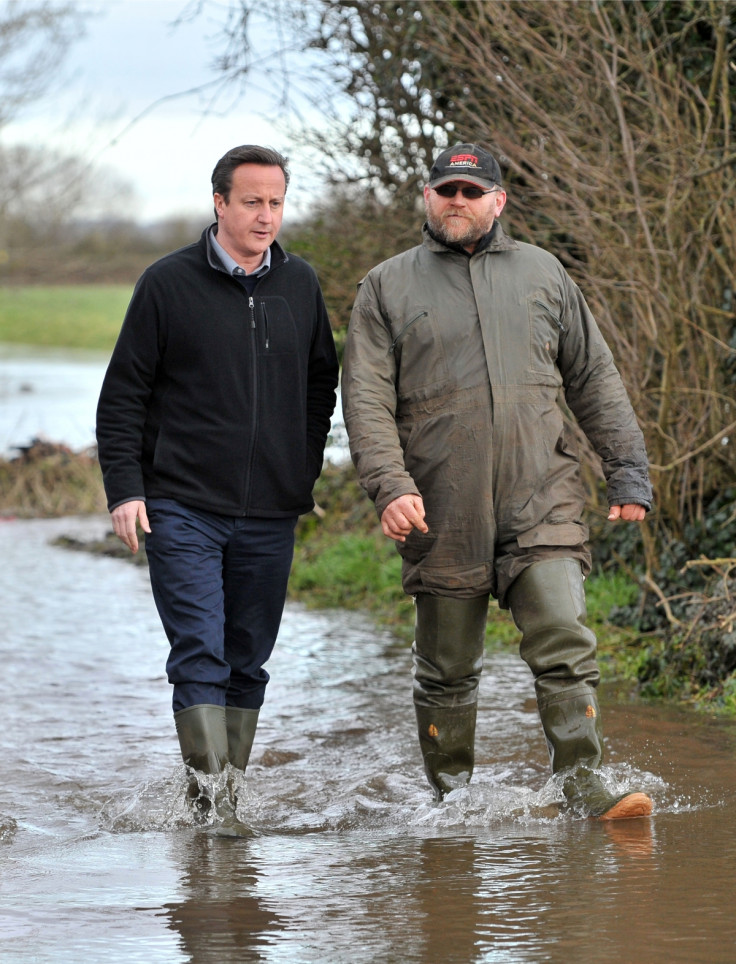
[51,393]
[349,860]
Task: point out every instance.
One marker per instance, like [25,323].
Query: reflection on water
[349,859]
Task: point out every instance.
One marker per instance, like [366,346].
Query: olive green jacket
[454,371]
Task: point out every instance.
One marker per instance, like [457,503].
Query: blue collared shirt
[232,266]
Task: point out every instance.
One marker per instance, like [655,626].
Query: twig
[651,584]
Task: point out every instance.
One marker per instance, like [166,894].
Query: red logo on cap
[465,159]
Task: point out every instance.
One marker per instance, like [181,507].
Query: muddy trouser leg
[448,662]
[547,602]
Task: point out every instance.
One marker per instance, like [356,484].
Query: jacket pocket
[545,330]
[554,534]
[457,577]
[277,331]
[419,351]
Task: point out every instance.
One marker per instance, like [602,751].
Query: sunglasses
[469,191]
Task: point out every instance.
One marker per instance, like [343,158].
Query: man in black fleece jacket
[211,427]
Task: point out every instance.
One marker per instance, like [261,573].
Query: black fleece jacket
[217,398]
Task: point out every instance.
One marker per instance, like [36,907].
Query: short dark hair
[222,175]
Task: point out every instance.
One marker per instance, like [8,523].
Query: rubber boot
[241,731]
[547,603]
[448,662]
[202,733]
[447,741]
[574,738]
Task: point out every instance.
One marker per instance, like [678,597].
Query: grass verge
[50,480]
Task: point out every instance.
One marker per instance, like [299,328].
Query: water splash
[8,828]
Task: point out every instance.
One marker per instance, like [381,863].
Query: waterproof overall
[457,371]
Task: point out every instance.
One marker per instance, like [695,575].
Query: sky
[115,104]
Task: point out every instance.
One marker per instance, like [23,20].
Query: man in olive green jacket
[459,354]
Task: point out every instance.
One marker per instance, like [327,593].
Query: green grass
[355,571]
[63,316]
[619,648]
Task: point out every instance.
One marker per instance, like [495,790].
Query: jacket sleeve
[125,396]
[369,401]
[597,397]
[322,381]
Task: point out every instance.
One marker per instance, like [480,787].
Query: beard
[464,230]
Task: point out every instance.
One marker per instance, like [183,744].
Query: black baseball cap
[465,162]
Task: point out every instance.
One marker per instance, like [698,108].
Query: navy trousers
[219,583]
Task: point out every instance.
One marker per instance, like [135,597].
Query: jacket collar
[497,241]
[278,255]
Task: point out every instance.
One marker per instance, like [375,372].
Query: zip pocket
[551,313]
[422,314]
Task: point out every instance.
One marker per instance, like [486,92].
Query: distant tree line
[102,251]
[46,233]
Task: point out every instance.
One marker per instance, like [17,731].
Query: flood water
[349,861]
[51,394]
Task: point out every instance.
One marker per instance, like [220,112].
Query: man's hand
[629,513]
[402,515]
[124,518]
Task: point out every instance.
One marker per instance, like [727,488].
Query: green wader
[448,662]
[547,602]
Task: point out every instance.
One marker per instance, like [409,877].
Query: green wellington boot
[574,737]
[205,734]
[447,741]
[448,662]
[202,733]
[241,731]
[547,602]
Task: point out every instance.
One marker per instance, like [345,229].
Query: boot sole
[632,805]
